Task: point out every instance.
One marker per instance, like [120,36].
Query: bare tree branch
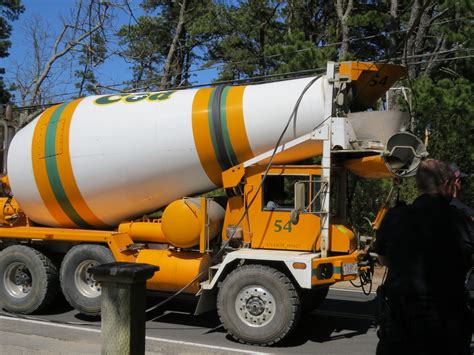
[57,53]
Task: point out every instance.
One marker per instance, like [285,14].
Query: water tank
[182,224]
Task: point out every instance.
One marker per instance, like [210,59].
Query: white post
[329,112]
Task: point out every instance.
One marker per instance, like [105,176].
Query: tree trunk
[262,63]
[343,9]
[419,25]
[291,16]
[394,25]
[165,79]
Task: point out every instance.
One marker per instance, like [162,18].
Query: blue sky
[50,12]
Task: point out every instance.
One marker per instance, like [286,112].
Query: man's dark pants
[424,327]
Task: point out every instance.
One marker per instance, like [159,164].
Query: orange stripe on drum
[202,135]
[236,124]
[66,173]
[38,157]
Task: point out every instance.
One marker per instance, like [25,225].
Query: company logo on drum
[135,97]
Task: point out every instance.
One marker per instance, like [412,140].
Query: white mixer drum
[96,161]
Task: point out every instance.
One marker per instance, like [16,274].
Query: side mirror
[300,197]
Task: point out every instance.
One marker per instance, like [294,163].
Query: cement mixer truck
[84,177]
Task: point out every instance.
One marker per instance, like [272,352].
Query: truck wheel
[79,287]
[28,280]
[311,299]
[258,305]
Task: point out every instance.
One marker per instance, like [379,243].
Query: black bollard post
[123,306]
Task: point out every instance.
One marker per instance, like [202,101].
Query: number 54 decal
[279,226]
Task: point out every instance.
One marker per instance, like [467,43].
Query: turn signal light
[301,266]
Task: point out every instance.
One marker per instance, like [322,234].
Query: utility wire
[306,49]
[443,60]
[250,79]
[245,80]
[218,65]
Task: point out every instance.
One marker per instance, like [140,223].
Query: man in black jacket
[469,215]
[424,246]
[456,202]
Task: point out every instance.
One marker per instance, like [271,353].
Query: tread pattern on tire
[51,271]
[286,282]
[67,296]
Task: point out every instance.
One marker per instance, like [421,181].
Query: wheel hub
[255,306]
[84,281]
[17,280]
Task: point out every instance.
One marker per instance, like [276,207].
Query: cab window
[278,192]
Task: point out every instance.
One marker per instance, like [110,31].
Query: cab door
[271,224]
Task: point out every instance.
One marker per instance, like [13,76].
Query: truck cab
[274,223]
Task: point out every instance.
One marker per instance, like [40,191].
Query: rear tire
[258,305]
[79,287]
[28,280]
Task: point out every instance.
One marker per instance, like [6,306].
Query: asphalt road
[343,324]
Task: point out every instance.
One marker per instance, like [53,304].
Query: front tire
[258,305]
[78,286]
[28,280]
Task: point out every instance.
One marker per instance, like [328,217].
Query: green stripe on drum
[53,172]
[225,130]
[215,128]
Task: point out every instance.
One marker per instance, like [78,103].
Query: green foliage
[92,56]
[216,193]
[366,198]
[9,11]
[295,54]
[147,42]
[146,45]
[244,32]
[445,110]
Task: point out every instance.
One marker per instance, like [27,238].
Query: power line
[221,82]
[306,49]
[443,60]
[251,79]
[218,65]
[454,50]
[246,79]
[151,81]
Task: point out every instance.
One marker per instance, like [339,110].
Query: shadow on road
[333,320]
[323,328]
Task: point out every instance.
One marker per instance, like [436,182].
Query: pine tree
[10,10]
[164,43]
[247,29]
